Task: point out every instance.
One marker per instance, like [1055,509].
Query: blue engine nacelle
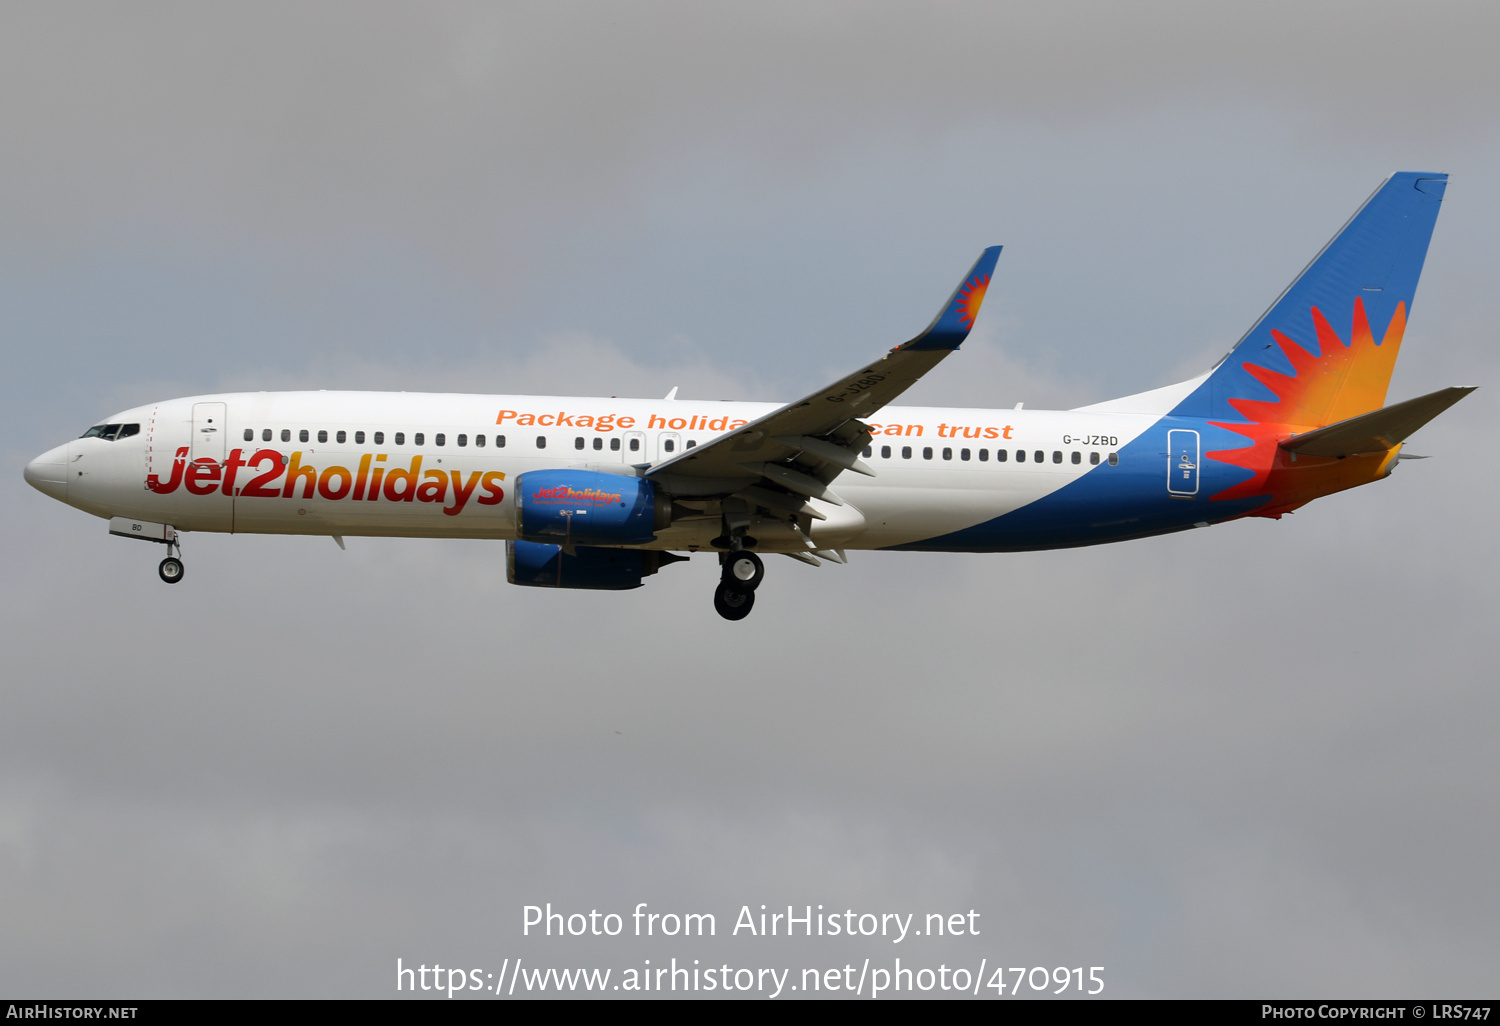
[539,565]
[585,507]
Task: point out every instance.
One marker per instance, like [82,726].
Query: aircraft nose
[48,473]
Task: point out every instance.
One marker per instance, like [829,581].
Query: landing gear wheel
[733,601]
[170,570]
[744,568]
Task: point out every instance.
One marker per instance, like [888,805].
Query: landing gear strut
[740,574]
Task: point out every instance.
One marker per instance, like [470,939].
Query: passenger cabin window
[690,443]
[1020,455]
[286,434]
[947,454]
[1077,457]
[635,445]
[1093,459]
[578,442]
[906,452]
[1114,459]
[541,441]
[322,436]
[302,435]
[439,439]
[359,438]
[668,445]
[380,438]
[598,443]
[869,451]
[927,452]
[463,441]
[885,452]
[479,441]
[400,437]
[341,437]
[1056,456]
[614,445]
[265,436]
[499,441]
[963,454]
[1001,455]
[418,438]
[249,434]
[984,455]
[1039,456]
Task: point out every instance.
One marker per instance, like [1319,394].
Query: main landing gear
[740,574]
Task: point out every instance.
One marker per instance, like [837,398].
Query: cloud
[465,122]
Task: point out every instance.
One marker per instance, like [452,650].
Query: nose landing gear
[740,574]
[170,569]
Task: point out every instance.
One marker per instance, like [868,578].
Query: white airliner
[602,493]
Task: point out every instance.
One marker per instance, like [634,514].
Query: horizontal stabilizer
[1375,432]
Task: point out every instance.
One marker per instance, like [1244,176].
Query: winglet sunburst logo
[970,296]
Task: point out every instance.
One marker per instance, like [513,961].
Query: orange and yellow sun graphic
[1343,381]
[970,296]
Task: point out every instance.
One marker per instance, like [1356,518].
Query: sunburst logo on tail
[1342,381]
[970,296]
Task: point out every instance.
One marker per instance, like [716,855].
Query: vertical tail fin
[1325,350]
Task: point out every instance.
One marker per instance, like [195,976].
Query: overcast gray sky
[1256,760]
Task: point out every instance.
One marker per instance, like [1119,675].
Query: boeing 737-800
[602,493]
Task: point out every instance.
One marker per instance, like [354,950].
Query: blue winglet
[952,324]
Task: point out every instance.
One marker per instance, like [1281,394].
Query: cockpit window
[111,432]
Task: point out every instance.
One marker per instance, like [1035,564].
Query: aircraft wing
[779,460]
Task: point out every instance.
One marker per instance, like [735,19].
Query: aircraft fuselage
[435,465]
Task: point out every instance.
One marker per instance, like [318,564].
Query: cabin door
[208,431]
[1182,463]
